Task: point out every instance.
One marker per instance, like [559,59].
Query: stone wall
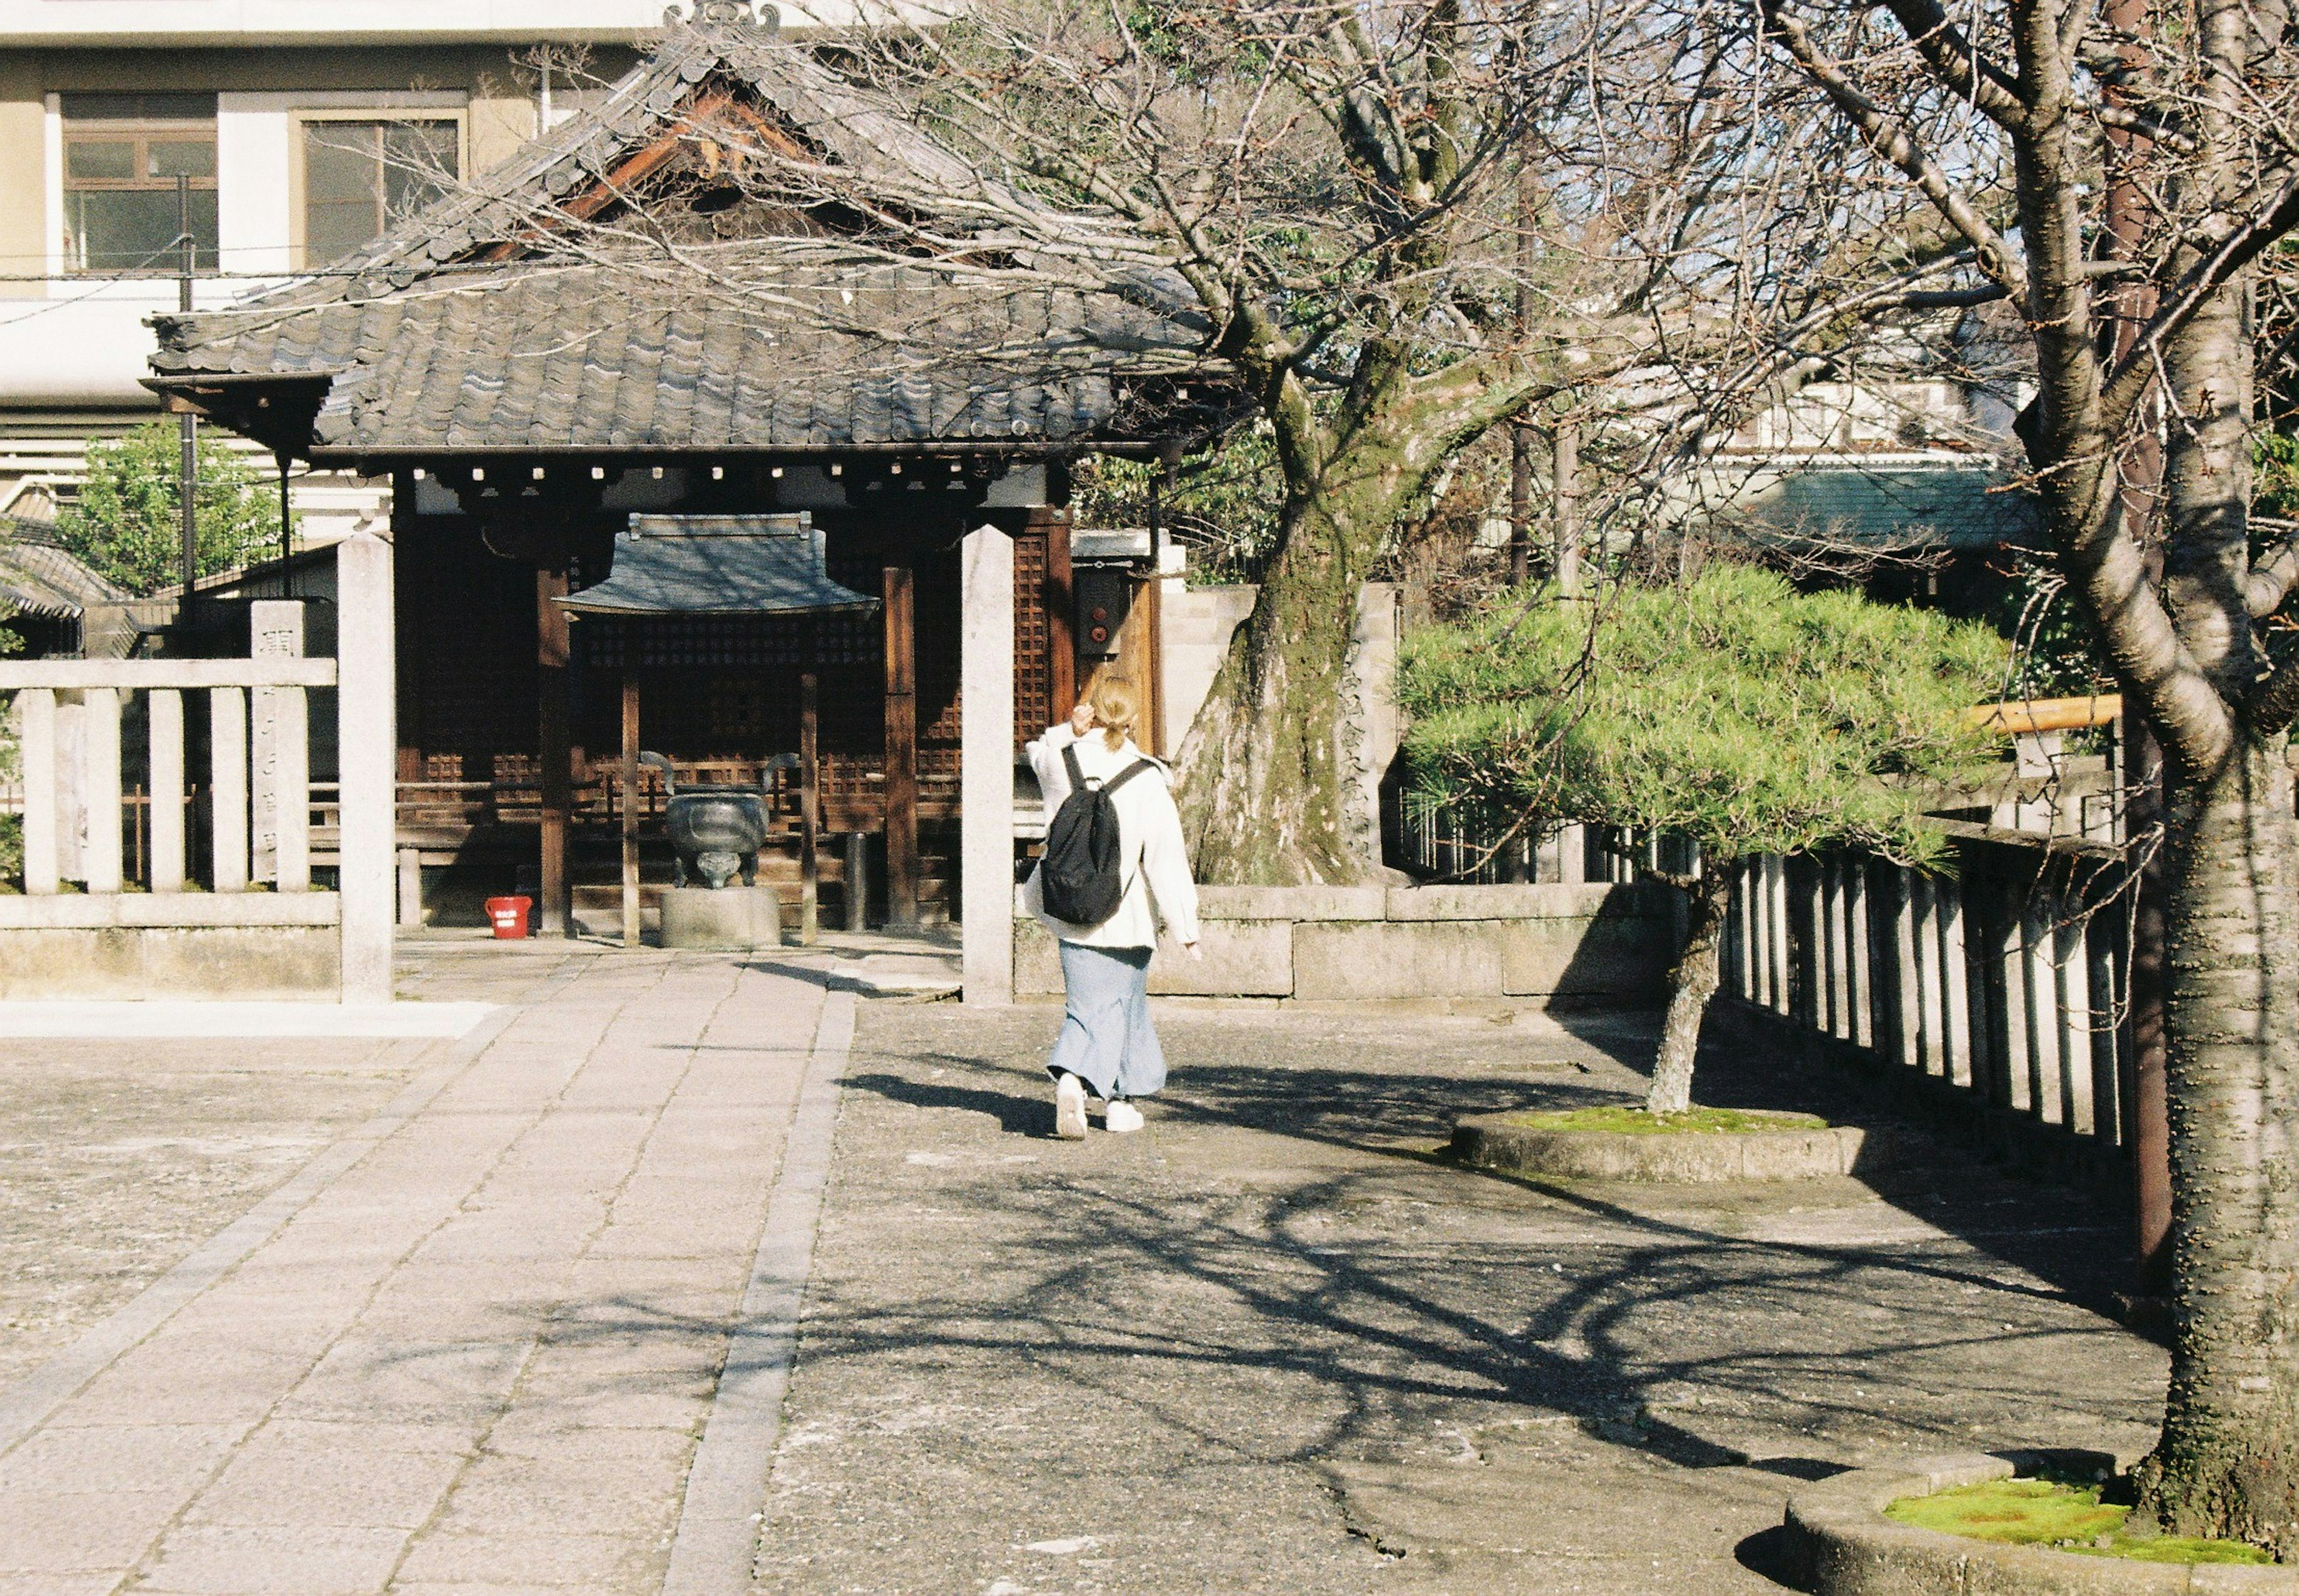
[1596,943]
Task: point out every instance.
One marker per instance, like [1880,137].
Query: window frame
[299,122]
[141,133]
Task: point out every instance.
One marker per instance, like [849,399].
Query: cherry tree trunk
[1691,984]
[2227,1463]
[1264,771]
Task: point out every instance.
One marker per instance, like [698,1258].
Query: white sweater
[1153,862]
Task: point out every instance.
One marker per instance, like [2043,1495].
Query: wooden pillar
[858,886]
[810,812]
[557,739]
[901,751]
[630,802]
[1151,682]
[1061,608]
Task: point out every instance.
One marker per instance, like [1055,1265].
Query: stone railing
[1997,992]
[1600,943]
[225,905]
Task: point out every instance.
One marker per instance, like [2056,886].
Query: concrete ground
[1270,1344]
[442,1317]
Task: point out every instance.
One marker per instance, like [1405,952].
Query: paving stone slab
[478,1349]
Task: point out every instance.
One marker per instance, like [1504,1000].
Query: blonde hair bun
[1115,707]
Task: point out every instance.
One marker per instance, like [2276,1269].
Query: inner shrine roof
[719,565]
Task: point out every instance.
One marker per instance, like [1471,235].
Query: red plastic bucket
[507,916]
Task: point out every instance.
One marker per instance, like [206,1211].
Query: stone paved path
[479,1358]
[475,1347]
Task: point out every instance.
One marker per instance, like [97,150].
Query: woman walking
[1106,1046]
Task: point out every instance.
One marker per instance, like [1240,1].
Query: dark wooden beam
[1061,638]
[557,772]
[630,798]
[810,812]
[901,751]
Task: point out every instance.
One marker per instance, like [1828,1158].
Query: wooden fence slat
[165,709]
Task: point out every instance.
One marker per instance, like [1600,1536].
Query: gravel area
[117,1159]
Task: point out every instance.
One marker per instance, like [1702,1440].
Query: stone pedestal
[731,917]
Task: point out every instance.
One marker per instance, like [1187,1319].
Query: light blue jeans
[1107,1040]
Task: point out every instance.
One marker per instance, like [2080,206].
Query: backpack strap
[1126,775]
[1070,764]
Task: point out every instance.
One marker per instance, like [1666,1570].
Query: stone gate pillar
[367,739]
[986,763]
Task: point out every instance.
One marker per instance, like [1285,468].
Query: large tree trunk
[1691,984]
[2227,1463]
[1265,775]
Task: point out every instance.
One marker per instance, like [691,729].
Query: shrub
[1730,709]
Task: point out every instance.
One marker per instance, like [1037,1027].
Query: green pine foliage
[127,524]
[1730,709]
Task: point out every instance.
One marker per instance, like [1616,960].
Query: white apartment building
[299,128]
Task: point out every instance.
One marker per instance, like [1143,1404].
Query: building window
[122,155]
[363,176]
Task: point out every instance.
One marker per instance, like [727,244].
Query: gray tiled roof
[1958,506]
[717,565]
[37,577]
[766,350]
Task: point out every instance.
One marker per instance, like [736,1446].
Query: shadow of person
[1016,1116]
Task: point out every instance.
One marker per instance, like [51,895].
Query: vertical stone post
[986,762]
[37,708]
[275,631]
[227,788]
[166,705]
[410,888]
[367,743]
[101,752]
[71,786]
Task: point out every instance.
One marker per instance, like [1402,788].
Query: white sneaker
[1122,1117]
[1069,1109]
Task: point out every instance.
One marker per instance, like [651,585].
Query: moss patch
[1636,1122]
[2058,1514]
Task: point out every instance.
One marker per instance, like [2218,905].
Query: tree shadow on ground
[2067,1232]
[1605,1325]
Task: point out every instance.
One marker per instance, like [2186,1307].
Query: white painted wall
[346,21]
[255,155]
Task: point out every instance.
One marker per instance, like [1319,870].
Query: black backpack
[1079,880]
